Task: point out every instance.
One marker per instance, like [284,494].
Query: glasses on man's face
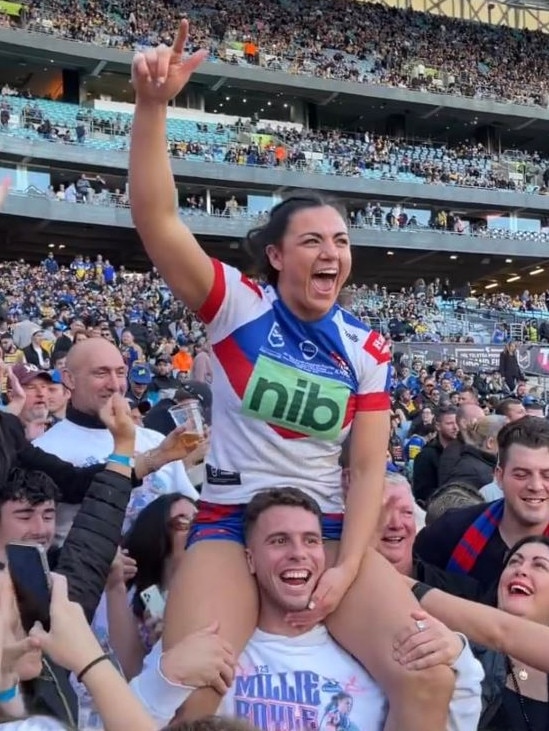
[180,523]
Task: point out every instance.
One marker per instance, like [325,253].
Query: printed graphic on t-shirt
[298,701]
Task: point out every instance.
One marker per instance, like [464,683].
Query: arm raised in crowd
[158,75]
[125,639]
[74,482]
[71,644]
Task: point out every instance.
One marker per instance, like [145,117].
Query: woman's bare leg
[366,622]
[212,583]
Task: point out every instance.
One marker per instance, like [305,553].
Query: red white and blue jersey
[285,392]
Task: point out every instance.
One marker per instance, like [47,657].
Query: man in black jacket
[466,415]
[27,514]
[426,464]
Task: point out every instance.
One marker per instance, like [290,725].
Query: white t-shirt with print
[307,682]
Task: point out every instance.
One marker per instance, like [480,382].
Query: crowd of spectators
[439,312]
[103,299]
[80,323]
[369,43]
[96,362]
[350,154]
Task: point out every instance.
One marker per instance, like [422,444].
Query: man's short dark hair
[504,407]
[28,485]
[470,389]
[211,723]
[277,496]
[442,411]
[56,357]
[530,431]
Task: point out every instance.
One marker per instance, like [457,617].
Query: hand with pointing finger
[159,74]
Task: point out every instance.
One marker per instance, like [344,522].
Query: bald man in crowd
[94,371]
[466,414]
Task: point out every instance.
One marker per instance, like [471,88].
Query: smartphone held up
[31,579]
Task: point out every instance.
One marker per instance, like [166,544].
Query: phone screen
[31,582]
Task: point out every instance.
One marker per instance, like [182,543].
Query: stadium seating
[312,37]
[470,166]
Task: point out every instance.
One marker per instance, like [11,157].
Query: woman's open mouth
[325,280]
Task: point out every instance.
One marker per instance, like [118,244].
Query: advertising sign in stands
[533,359]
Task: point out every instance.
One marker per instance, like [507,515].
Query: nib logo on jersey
[305,403]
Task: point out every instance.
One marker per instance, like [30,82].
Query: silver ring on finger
[421,625]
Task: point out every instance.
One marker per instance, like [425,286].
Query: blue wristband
[122,459]
[8,695]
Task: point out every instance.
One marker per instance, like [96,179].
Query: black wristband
[90,665]
[419,589]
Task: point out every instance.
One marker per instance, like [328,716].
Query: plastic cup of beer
[189,415]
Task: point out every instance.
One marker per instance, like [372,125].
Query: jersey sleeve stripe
[373,402]
[252,285]
[215,298]
[237,367]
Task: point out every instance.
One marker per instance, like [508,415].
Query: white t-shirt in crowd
[492,491]
[306,682]
[84,446]
[36,723]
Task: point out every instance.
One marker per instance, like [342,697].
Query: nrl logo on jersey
[274,337]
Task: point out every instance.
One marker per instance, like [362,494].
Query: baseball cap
[27,372]
[195,390]
[56,376]
[140,373]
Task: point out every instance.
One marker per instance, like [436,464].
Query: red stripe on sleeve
[373,402]
[252,285]
[215,298]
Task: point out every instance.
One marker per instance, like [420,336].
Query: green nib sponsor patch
[288,397]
